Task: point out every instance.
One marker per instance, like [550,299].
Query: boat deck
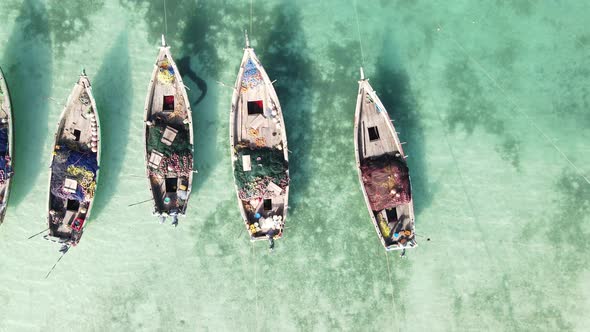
[179,114]
[258,129]
[376,136]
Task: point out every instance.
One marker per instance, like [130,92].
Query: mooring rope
[358,30]
[165,19]
[251,15]
[253,251]
[391,285]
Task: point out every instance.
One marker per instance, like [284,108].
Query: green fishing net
[267,165]
[180,146]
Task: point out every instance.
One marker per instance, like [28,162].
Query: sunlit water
[491,97]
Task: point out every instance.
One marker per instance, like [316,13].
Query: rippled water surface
[492,98]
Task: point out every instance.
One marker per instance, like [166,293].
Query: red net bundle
[387,182]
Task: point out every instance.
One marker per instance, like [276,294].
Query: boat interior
[5,148]
[78,131]
[258,123]
[168,108]
[377,137]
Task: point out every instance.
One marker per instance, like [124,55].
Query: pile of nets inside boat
[387,182]
[77,165]
[252,77]
[5,168]
[4,141]
[5,162]
[267,165]
[178,157]
[165,72]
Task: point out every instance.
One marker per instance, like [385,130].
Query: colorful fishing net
[177,157]
[85,179]
[5,168]
[165,72]
[77,165]
[179,164]
[252,77]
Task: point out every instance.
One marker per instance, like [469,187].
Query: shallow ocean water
[492,98]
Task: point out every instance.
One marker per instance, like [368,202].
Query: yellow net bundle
[85,179]
[165,72]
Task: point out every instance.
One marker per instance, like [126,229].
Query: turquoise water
[492,98]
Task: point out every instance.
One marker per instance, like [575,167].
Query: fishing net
[165,72]
[178,164]
[180,145]
[178,157]
[3,141]
[387,182]
[267,165]
[5,168]
[80,166]
[252,77]
[5,161]
[383,226]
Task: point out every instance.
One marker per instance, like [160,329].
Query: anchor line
[165,19]
[358,30]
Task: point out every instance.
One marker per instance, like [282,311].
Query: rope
[251,16]
[255,284]
[516,107]
[165,19]
[391,284]
[358,30]
[54,265]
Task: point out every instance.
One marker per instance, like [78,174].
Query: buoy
[94,143]
[94,149]
[94,138]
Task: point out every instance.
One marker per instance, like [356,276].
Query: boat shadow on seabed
[28,56]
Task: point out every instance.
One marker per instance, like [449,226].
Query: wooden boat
[383,171]
[259,151]
[168,134]
[6,147]
[74,166]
